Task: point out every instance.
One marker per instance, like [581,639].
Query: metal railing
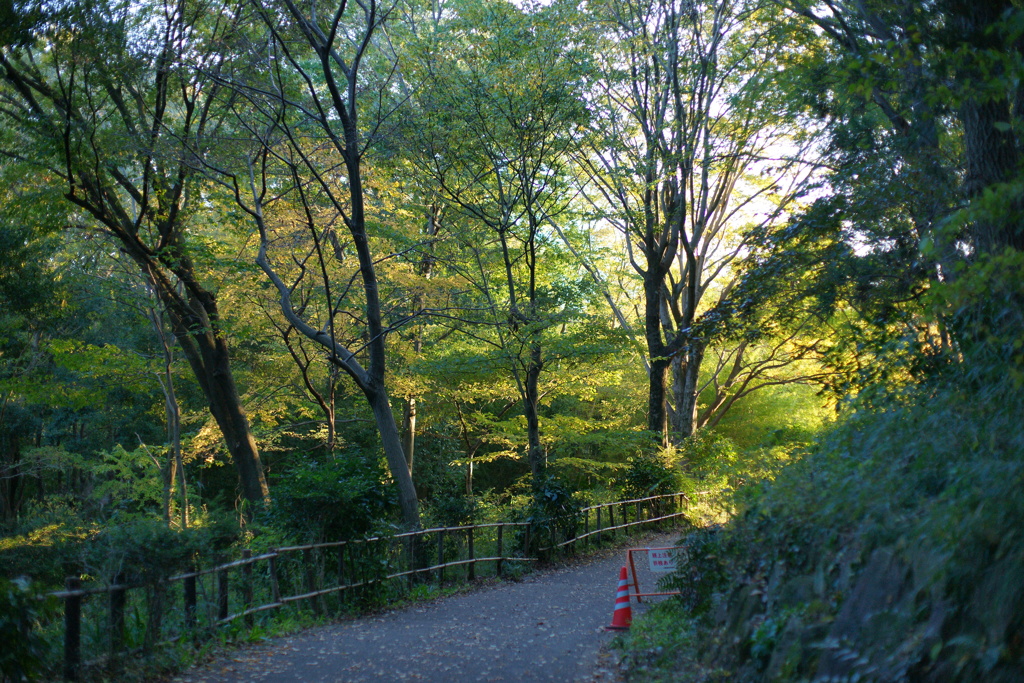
[239,589]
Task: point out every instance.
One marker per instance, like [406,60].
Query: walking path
[547,627]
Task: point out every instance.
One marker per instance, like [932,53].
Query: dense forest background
[301,271]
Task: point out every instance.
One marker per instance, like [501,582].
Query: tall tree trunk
[471,446]
[175,465]
[657,398]
[426,271]
[989,145]
[11,477]
[332,427]
[170,472]
[685,382]
[531,408]
[409,431]
[175,469]
[384,418]
[218,383]
[657,395]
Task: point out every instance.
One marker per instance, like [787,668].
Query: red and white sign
[662,559]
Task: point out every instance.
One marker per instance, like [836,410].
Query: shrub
[332,499]
[701,571]
[46,553]
[651,475]
[145,549]
[705,453]
[451,508]
[553,513]
[21,612]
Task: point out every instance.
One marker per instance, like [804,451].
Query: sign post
[659,560]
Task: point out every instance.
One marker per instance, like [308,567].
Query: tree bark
[409,431]
[657,398]
[992,158]
[660,361]
[207,355]
[384,418]
[531,409]
[991,154]
[685,381]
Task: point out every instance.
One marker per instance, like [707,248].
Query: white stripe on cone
[622,616]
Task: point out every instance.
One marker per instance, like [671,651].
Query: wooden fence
[193,603]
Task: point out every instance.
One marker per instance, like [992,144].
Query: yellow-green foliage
[776,414]
[43,553]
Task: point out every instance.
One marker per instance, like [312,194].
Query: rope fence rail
[197,601]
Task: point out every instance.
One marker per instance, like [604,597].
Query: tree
[312,122]
[695,140]
[924,111]
[103,105]
[500,105]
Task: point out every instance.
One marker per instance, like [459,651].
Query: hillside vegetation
[890,551]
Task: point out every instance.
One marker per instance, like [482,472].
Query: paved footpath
[546,627]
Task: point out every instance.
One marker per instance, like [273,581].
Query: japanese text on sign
[661,559]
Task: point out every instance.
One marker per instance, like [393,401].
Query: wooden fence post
[440,557]
[307,562]
[598,523]
[155,607]
[72,629]
[222,594]
[116,623]
[360,565]
[342,581]
[586,527]
[275,587]
[472,554]
[501,550]
[343,595]
[247,588]
[380,563]
[407,553]
[189,588]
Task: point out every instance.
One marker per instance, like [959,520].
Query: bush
[928,474]
[451,509]
[47,553]
[22,610]
[651,475]
[700,572]
[706,453]
[554,513]
[332,499]
[145,549]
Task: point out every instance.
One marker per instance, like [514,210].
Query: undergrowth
[931,472]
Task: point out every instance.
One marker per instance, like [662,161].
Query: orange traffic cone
[622,617]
